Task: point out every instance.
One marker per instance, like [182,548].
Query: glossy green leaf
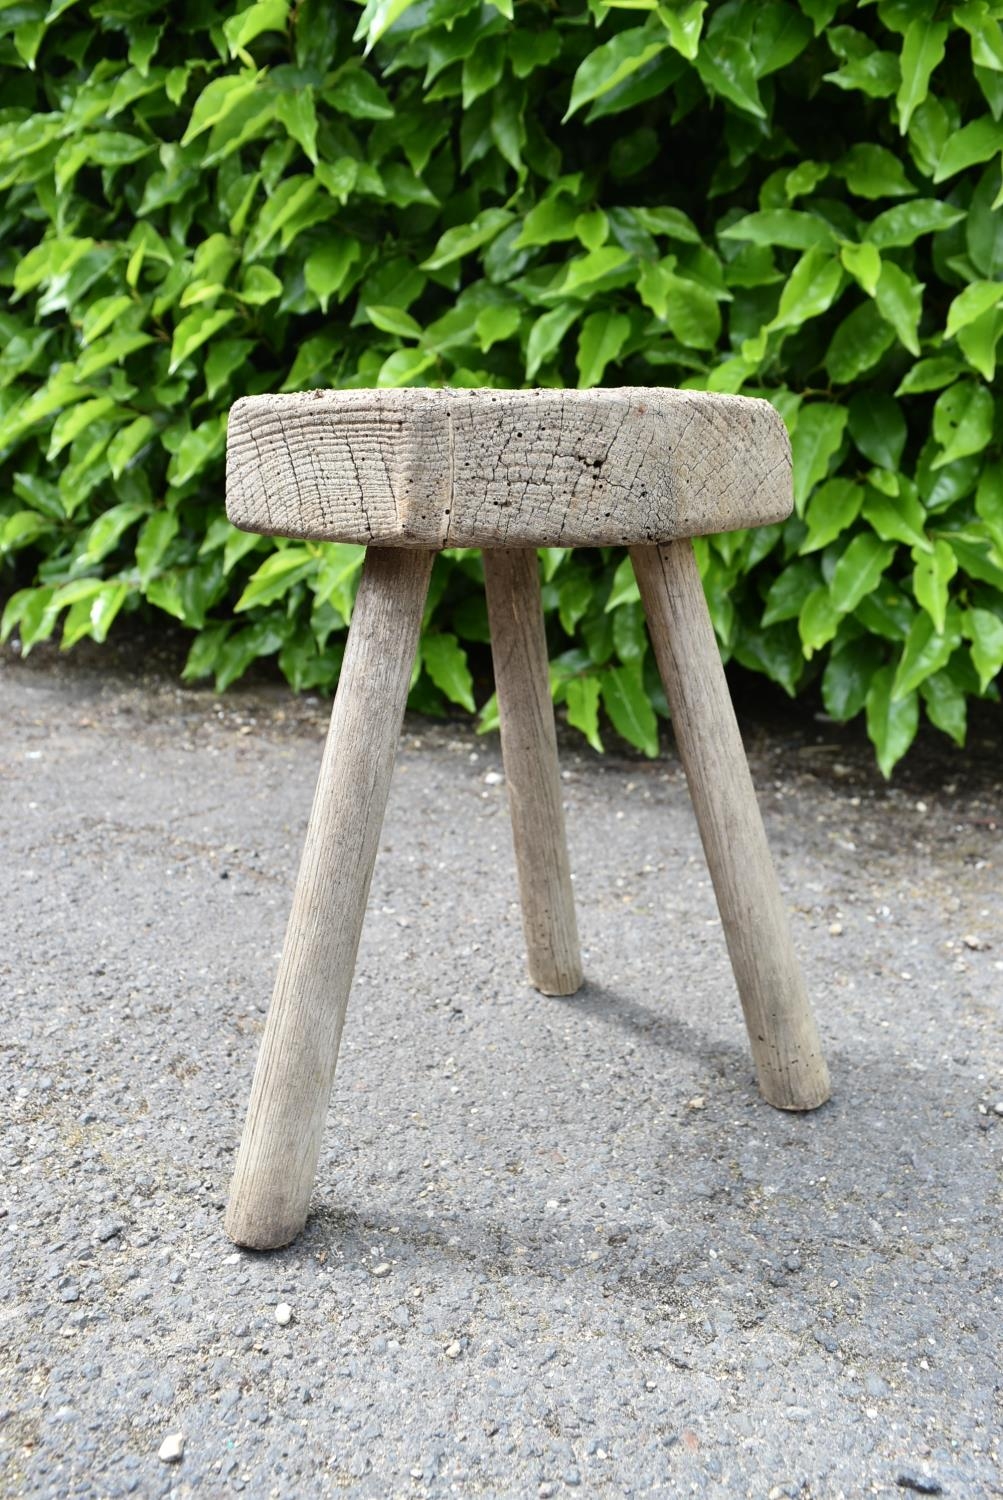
[612,62]
[935,567]
[984,629]
[984,225]
[600,341]
[977,298]
[962,421]
[394,320]
[900,302]
[582,698]
[265,15]
[847,678]
[907,222]
[926,650]
[872,171]
[863,263]
[445,661]
[77,419]
[810,289]
[458,242]
[923,49]
[684,23]
[579,277]
[979,339]
[891,722]
[898,518]
[969,146]
[327,267]
[727,66]
[789,591]
[281,208]
[858,344]
[153,541]
[107,530]
[832,509]
[298,114]
[816,440]
[946,707]
[789,227]
[929,375]
[989,502]
[218,99]
[496,323]
[818,620]
[858,570]
[877,427]
[626,701]
[276,576]
[546,336]
[194,330]
[404,367]
[259,286]
[553,218]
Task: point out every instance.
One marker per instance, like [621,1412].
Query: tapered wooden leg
[529,751]
[277,1161]
[782,1030]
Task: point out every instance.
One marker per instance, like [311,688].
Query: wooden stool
[407,472]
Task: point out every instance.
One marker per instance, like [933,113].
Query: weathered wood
[782,1030]
[281,1144]
[532,773]
[484,468]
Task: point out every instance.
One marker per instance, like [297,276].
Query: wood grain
[281,1144]
[483,468]
[782,1030]
[532,773]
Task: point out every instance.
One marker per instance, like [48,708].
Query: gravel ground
[557,1246]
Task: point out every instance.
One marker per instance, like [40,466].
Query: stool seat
[486,468]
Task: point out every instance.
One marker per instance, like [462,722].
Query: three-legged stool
[411,471]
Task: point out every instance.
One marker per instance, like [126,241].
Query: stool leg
[277,1161]
[529,751]
[782,1030]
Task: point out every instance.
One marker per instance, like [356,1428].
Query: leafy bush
[793,200]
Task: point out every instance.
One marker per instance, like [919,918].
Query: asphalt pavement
[558,1246]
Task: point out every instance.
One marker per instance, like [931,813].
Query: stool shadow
[660,1030]
[520,1248]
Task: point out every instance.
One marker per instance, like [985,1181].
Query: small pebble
[453,1350]
[383,1269]
[283,1314]
[835,929]
[920,1484]
[977,944]
[172,1448]
[697,1102]
[493,778]
[998,1107]
[546,1490]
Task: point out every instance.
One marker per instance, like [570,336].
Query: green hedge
[793,200]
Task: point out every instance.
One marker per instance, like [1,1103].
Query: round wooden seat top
[487,468]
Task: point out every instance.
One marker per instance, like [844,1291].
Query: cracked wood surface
[485,468]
